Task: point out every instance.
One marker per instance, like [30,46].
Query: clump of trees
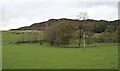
[110,35]
[64,33]
[60,34]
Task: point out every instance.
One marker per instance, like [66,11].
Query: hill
[103,24]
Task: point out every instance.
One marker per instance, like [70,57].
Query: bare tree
[81,16]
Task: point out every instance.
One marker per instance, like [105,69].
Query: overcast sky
[19,13]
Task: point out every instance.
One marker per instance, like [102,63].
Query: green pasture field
[36,56]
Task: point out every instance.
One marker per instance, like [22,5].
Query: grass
[0,50]
[35,56]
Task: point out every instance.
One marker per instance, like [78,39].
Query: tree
[115,37]
[50,34]
[64,33]
[81,16]
[110,29]
[99,28]
[106,37]
[118,28]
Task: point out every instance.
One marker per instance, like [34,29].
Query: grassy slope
[44,56]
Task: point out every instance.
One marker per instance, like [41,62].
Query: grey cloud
[26,12]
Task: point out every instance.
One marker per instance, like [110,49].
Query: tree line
[65,33]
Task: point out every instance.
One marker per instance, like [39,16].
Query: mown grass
[35,56]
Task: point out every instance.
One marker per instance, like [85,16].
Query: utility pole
[84,41]
[79,37]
